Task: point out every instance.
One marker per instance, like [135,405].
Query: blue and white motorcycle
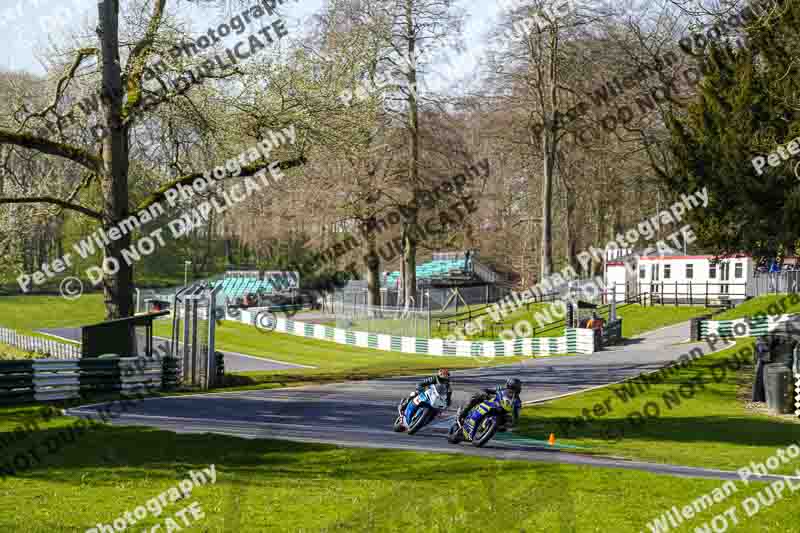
[415,414]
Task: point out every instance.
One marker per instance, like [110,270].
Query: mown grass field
[773,304]
[637,319]
[26,314]
[709,425]
[275,486]
[267,485]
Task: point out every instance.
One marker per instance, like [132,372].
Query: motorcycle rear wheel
[421,417]
[490,424]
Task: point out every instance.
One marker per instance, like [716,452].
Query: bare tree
[123,97]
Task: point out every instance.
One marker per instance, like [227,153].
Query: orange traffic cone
[552,439]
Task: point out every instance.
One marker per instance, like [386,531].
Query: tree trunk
[409,226]
[373,263]
[118,275]
[549,150]
[410,264]
[599,234]
[547,212]
[572,242]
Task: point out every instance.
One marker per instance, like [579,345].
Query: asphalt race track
[361,413]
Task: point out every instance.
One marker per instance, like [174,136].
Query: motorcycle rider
[442,377]
[511,389]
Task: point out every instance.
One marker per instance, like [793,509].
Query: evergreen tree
[748,106]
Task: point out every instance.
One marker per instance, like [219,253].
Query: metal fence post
[212,328]
[429,314]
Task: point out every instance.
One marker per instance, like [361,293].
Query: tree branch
[73,153]
[132,80]
[55,201]
[189,179]
[63,83]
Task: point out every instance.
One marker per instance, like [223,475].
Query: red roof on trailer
[655,258]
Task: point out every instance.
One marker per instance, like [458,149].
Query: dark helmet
[514,384]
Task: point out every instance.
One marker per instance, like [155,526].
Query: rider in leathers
[513,387]
[442,377]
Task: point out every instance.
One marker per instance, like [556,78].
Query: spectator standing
[596,323]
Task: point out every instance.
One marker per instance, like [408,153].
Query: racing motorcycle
[485,419]
[420,411]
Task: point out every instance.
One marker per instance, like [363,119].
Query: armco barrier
[171,373]
[745,327]
[16,382]
[56,380]
[575,340]
[48,379]
[99,375]
[136,374]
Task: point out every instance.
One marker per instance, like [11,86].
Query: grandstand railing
[471,314]
[404,321]
[484,272]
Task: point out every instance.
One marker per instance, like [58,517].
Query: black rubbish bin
[779,388]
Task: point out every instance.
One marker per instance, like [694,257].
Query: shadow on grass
[742,431]
[146,454]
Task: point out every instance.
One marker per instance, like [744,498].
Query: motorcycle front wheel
[485,431]
[419,420]
[456,434]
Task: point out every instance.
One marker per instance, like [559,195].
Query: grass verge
[276,486]
[773,304]
[8,353]
[695,417]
